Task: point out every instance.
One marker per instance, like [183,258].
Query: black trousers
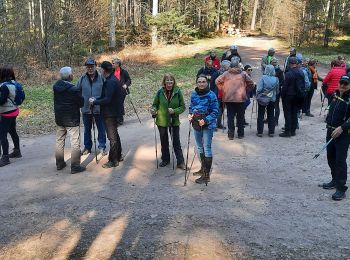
[277,109]
[308,98]
[270,111]
[164,141]
[8,126]
[235,110]
[221,111]
[337,152]
[115,151]
[290,111]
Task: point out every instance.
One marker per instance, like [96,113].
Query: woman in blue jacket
[203,112]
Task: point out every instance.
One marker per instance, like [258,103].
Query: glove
[171,111]
[153,112]
[91,100]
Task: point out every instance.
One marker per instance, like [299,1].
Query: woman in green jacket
[167,105]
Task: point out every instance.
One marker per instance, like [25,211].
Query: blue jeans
[203,141]
[87,119]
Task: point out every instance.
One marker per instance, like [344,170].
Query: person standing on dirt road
[292,97]
[338,128]
[111,102]
[8,114]
[90,85]
[279,74]
[167,105]
[212,56]
[292,53]
[332,78]
[211,73]
[232,52]
[234,85]
[123,76]
[67,104]
[203,111]
[266,60]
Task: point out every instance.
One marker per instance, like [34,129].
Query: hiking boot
[103,152]
[259,135]
[285,134]
[121,159]
[230,136]
[205,178]
[271,135]
[85,151]
[4,160]
[292,133]
[61,166]
[110,164]
[338,195]
[201,171]
[16,153]
[309,114]
[328,186]
[77,169]
[181,166]
[163,163]
[240,136]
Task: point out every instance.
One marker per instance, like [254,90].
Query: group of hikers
[221,84]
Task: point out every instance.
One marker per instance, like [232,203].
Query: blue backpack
[20,95]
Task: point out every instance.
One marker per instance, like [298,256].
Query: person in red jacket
[212,56]
[332,78]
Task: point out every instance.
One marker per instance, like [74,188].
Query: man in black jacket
[292,98]
[123,76]
[111,103]
[67,104]
[338,128]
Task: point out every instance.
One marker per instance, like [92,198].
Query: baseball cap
[345,79]
[106,65]
[90,61]
[293,60]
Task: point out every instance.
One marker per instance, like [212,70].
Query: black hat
[345,79]
[293,60]
[90,61]
[106,65]
[247,67]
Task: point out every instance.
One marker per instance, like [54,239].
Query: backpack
[265,97]
[20,95]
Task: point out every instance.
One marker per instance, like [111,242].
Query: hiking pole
[251,114]
[155,139]
[94,132]
[132,104]
[323,148]
[172,140]
[189,170]
[188,148]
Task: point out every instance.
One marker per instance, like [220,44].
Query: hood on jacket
[270,70]
[62,85]
[235,70]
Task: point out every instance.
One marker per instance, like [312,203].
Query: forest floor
[262,202]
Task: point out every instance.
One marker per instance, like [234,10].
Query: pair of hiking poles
[156,143]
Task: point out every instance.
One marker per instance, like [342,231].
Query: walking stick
[251,114]
[188,147]
[94,132]
[322,149]
[172,140]
[132,104]
[155,139]
[189,170]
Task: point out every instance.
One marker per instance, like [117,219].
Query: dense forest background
[53,32]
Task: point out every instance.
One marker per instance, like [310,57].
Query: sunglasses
[249,70]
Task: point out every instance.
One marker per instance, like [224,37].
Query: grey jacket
[90,89]
[268,84]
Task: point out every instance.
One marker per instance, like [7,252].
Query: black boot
[340,193]
[201,171]
[285,134]
[16,153]
[205,178]
[4,160]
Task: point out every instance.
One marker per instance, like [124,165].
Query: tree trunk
[252,25]
[240,18]
[218,16]
[154,28]
[112,37]
[41,20]
[328,31]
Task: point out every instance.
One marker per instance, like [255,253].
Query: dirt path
[262,203]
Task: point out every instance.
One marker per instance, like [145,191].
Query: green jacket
[161,105]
